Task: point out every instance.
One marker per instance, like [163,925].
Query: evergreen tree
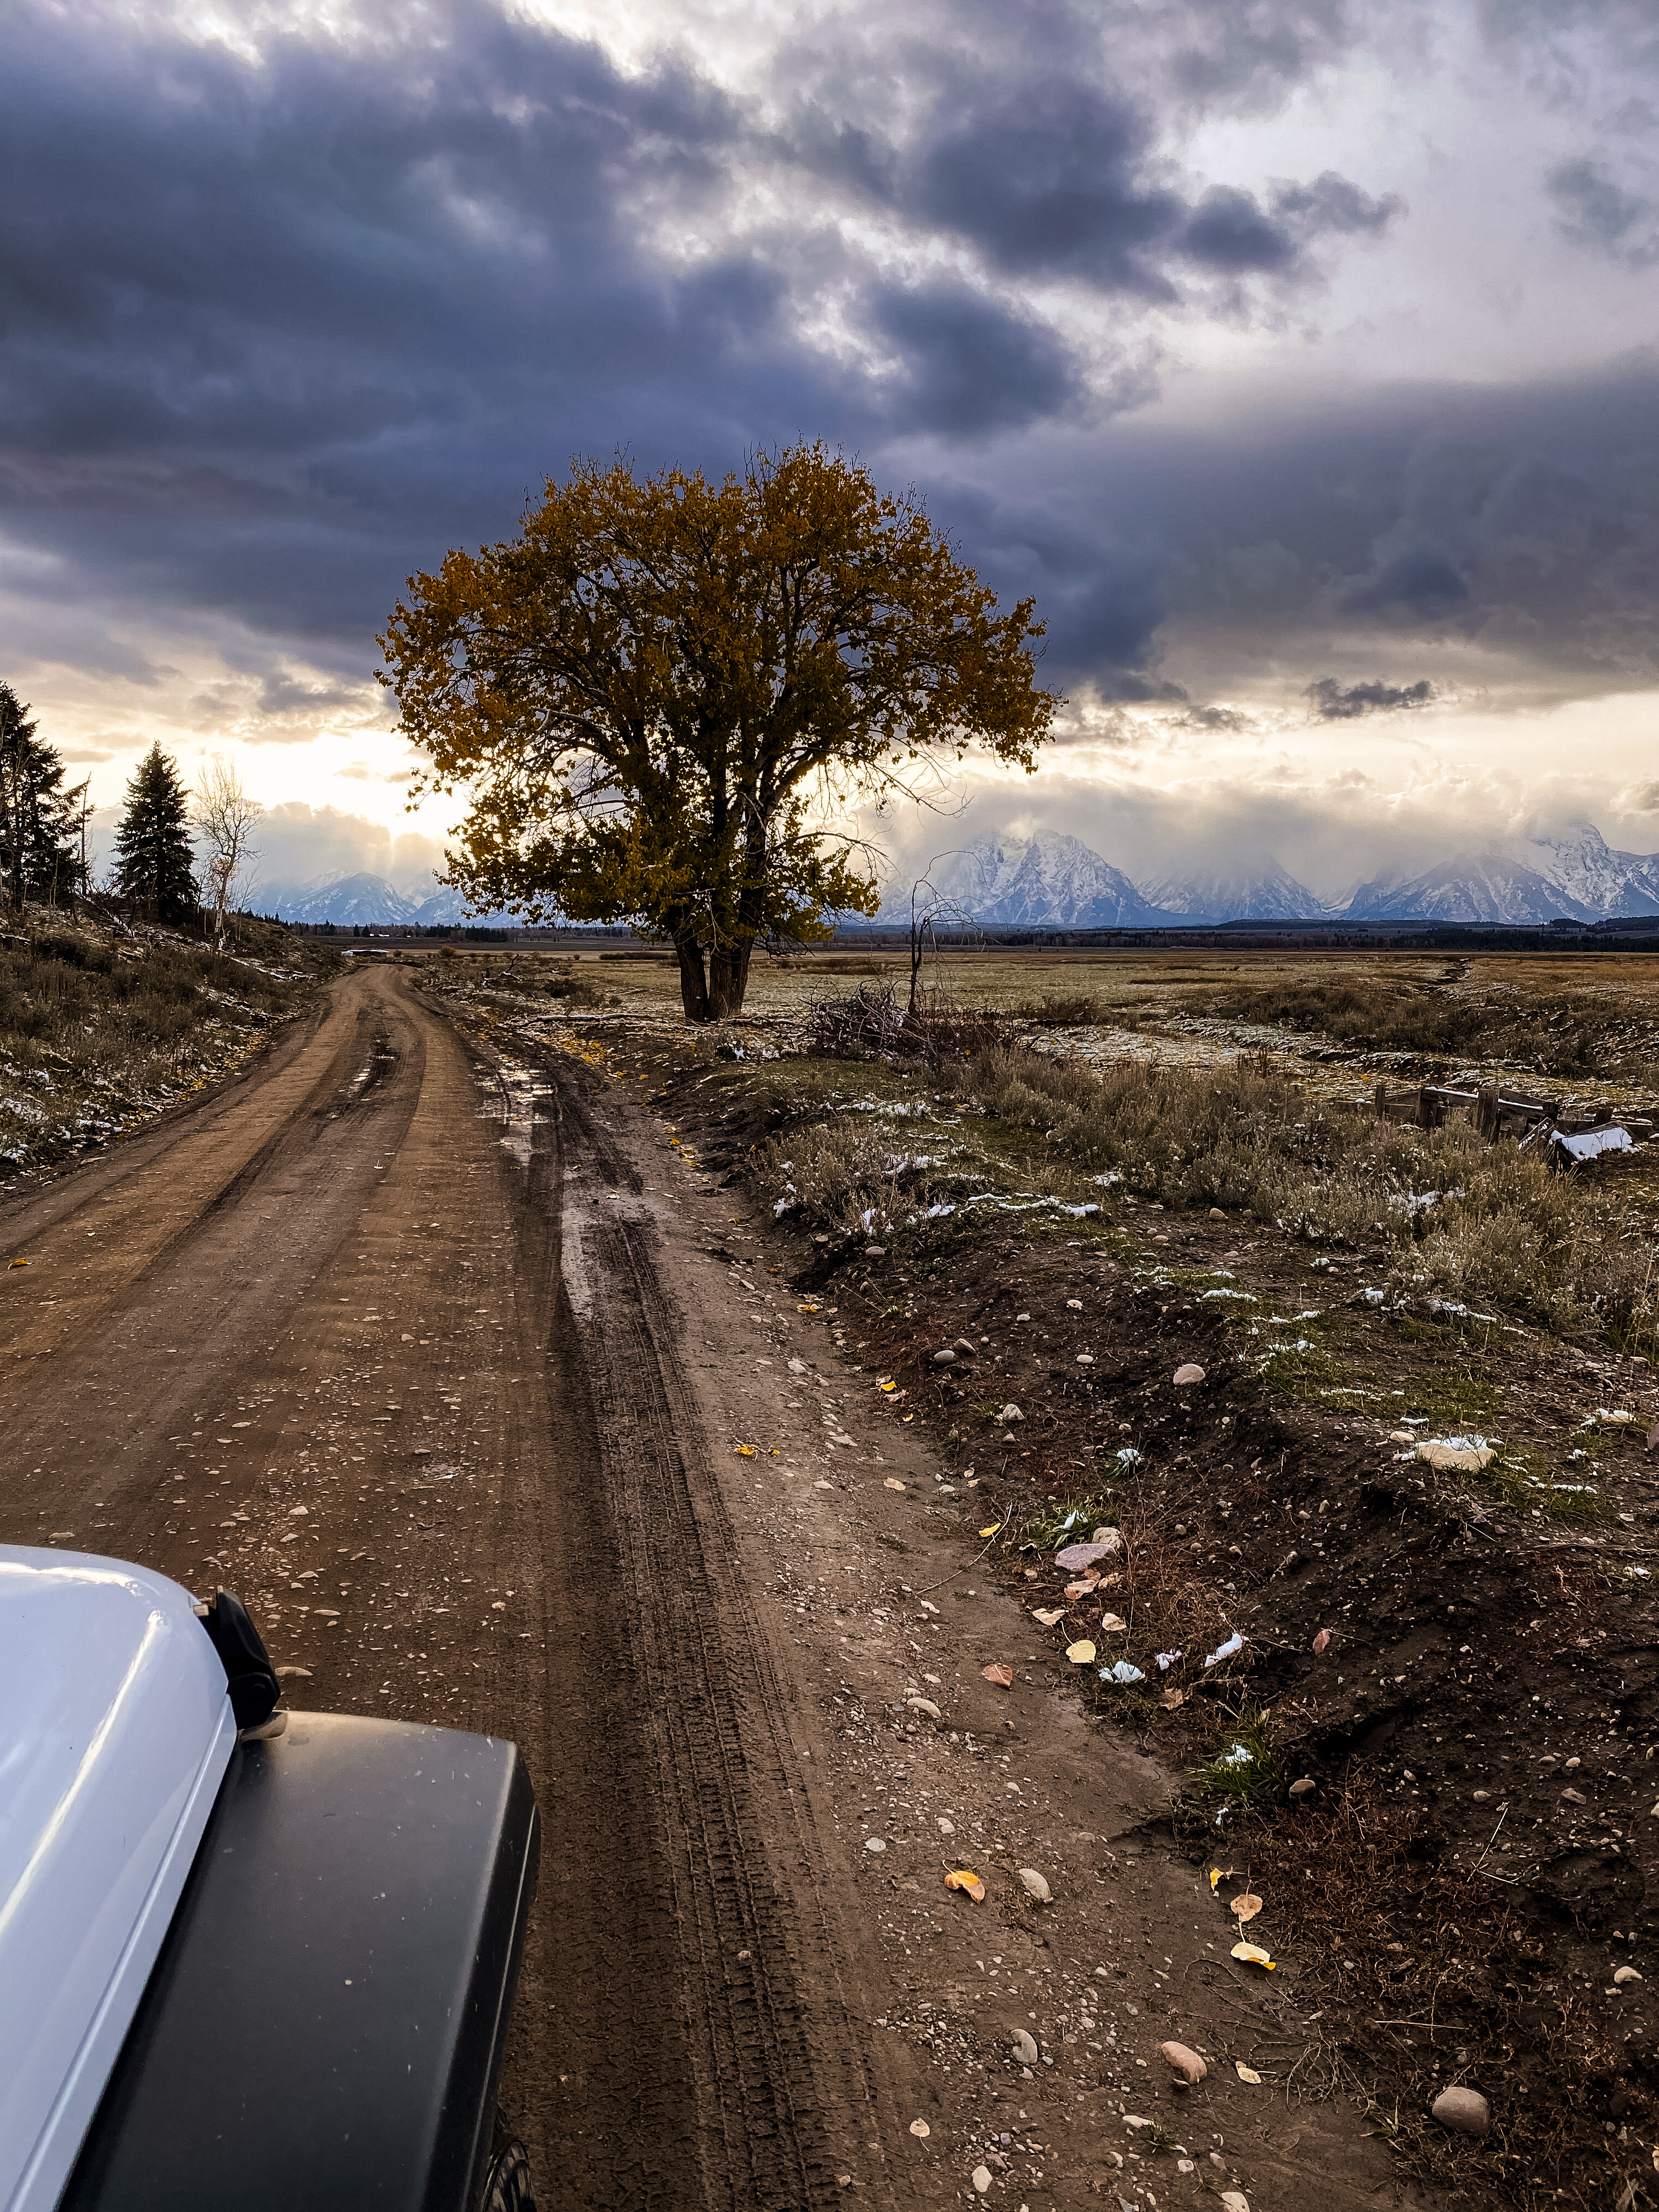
[39,821]
[152,842]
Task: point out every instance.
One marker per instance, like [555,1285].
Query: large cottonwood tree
[663,694]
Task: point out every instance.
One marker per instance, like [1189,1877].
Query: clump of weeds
[1243,1766]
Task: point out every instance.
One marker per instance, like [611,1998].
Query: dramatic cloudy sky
[1299,357]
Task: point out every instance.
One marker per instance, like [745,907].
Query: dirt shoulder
[1454,1663]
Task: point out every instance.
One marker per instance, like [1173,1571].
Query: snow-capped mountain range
[364,901]
[1034,883]
[1578,877]
[1053,881]
[1270,894]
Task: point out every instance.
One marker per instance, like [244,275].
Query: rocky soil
[1433,1756]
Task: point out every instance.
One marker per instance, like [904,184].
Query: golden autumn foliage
[662,696]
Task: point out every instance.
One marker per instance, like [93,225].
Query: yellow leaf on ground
[887,1385]
[1246,2073]
[995,1529]
[1081,1653]
[1254,1956]
[964,1878]
[1218,1874]
[743,1451]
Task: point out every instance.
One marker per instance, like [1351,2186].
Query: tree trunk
[694,979]
[14,809]
[728,981]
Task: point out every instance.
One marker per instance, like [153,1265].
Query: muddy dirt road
[409,1346]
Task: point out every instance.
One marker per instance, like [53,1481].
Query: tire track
[779,2073]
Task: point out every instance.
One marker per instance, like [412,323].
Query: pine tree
[39,821]
[152,842]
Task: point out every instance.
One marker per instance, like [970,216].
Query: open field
[1592,1023]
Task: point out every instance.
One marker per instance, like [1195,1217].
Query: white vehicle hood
[115,1731]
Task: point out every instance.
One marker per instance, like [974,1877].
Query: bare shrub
[847,1173]
[869,1024]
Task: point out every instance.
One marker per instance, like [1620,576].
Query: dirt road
[406,1346]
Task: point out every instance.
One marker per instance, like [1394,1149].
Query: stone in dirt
[1234,2200]
[1187,2064]
[1305,1788]
[1626,1974]
[875,1251]
[1454,1454]
[1085,1555]
[1038,1888]
[1025,2046]
[1010,1412]
[1464,2110]
[944,1359]
[1190,1373]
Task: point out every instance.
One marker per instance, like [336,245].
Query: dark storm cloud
[277,332]
[1594,210]
[1049,179]
[1334,206]
[970,364]
[1419,583]
[1236,59]
[1527,520]
[1098,588]
[1332,701]
[1057,178]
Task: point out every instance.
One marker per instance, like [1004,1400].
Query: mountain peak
[1574,875]
[1049,880]
[1265,894]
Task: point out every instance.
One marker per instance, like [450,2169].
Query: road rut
[377,1337]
